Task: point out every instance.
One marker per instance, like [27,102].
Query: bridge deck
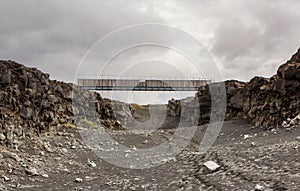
[142,85]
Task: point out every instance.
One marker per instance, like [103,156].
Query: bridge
[105,84]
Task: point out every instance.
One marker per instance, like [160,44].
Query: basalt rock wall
[264,102]
[268,102]
[32,103]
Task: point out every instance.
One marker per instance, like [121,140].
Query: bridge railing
[143,84]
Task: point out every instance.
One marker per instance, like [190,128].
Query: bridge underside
[136,88]
[142,85]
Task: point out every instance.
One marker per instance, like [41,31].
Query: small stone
[31,171]
[64,150]
[296,147]
[92,164]
[57,158]
[78,180]
[5,178]
[259,188]
[246,136]
[48,149]
[88,178]
[45,175]
[211,166]
[2,137]
[285,124]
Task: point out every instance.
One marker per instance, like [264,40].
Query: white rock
[211,166]
[92,164]
[5,178]
[45,175]
[285,124]
[78,180]
[246,136]
[2,137]
[259,188]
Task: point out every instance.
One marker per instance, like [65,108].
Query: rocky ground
[249,158]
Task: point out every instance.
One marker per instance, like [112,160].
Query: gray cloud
[247,38]
[260,39]
[54,35]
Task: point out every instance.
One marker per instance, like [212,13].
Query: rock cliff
[32,103]
[264,102]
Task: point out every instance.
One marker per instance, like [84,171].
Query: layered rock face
[174,107]
[268,102]
[202,103]
[31,102]
[233,104]
[265,102]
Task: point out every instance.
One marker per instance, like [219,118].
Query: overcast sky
[245,37]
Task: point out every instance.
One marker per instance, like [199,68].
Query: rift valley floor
[247,156]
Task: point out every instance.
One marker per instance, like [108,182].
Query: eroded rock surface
[31,103]
[264,102]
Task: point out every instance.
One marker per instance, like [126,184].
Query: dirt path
[247,157]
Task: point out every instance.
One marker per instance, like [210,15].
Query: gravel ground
[248,158]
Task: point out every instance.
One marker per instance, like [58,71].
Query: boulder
[237,101]
[5,75]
